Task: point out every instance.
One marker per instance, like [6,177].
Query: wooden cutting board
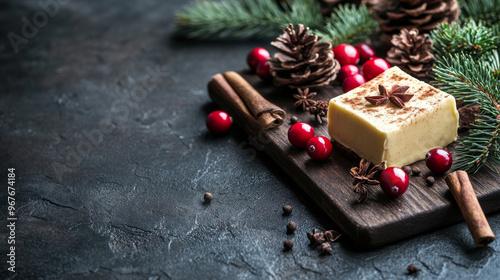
[379,220]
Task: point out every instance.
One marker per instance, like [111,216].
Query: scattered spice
[415,170]
[291,227]
[319,110]
[326,248]
[332,235]
[324,239]
[208,197]
[310,236]
[407,169]
[413,269]
[364,177]
[430,181]
[304,98]
[288,244]
[287,210]
[294,119]
[396,95]
[316,237]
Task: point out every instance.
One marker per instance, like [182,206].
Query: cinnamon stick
[223,94]
[267,114]
[461,188]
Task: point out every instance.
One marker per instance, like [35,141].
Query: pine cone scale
[302,61]
[421,21]
[416,68]
[439,9]
[415,12]
[394,15]
[411,52]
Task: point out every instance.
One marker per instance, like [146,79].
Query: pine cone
[425,15]
[411,52]
[302,61]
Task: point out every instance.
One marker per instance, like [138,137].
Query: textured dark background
[129,205]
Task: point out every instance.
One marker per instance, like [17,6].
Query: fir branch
[496,29]
[245,18]
[471,38]
[487,11]
[348,24]
[474,82]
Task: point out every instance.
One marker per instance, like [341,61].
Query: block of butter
[385,132]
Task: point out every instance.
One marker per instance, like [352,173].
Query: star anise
[362,176]
[396,95]
[304,98]
[319,110]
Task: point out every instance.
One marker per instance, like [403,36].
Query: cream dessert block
[399,136]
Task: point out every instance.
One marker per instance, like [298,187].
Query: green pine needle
[487,11]
[266,18]
[348,24]
[496,29]
[471,38]
[474,82]
[468,67]
[245,18]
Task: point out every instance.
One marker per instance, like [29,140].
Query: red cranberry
[299,134]
[256,56]
[374,67]
[348,70]
[346,54]
[218,122]
[394,181]
[319,148]
[352,82]
[438,160]
[365,52]
[263,71]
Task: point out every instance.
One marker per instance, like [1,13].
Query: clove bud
[326,248]
[287,210]
[208,197]
[407,169]
[291,227]
[430,181]
[415,170]
[412,269]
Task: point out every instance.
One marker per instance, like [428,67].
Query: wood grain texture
[379,220]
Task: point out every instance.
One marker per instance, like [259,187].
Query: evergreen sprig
[348,24]
[487,11]
[267,18]
[469,69]
[245,18]
[471,38]
[496,29]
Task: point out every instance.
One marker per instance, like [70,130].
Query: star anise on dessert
[304,98]
[319,110]
[396,95]
[364,176]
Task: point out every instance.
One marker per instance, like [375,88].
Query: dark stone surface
[112,164]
